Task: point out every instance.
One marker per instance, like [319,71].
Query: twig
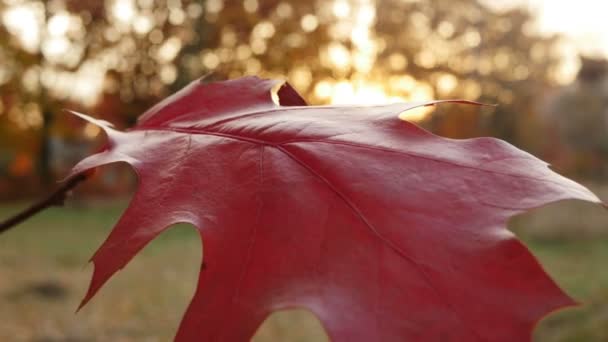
[56,198]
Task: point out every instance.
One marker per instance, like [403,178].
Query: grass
[579,267]
[43,276]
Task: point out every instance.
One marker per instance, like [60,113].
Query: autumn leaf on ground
[384,231]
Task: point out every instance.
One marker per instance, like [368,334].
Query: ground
[43,276]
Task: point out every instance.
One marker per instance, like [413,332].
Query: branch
[56,198]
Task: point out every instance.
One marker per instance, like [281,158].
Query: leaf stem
[56,198]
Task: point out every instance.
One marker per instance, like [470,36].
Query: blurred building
[577,117]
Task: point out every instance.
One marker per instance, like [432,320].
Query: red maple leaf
[383,230]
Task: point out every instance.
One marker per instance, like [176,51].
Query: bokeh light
[117,57]
[543,62]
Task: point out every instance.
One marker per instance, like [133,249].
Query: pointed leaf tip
[98,122]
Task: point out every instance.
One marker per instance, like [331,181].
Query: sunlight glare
[309,23]
[446,83]
[341,8]
[55,47]
[143,24]
[59,24]
[339,56]
[169,50]
[323,90]
[123,10]
[24,22]
[301,77]
[88,84]
[264,29]
[363,92]
[397,61]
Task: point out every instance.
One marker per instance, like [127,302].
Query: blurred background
[543,62]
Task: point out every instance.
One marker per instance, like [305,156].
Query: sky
[583,22]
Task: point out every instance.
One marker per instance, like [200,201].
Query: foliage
[116,58]
[383,230]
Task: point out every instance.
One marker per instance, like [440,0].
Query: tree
[114,59]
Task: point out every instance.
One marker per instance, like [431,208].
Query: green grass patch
[148,298]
